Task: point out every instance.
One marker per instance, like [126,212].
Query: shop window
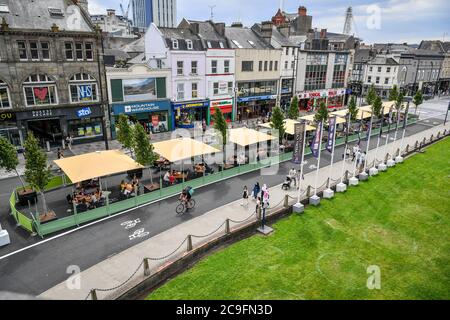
[39,89]
[83,88]
[4,96]
[22,50]
[230,87]
[194,67]
[68,48]
[194,90]
[85,128]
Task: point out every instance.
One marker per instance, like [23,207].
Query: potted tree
[418,100]
[125,133]
[220,125]
[9,162]
[278,122]
[37,172]
[143,150]
[293,109]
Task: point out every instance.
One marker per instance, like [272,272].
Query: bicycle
[184,205]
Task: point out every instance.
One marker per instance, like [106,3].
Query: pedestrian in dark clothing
[256,190]
[60,154]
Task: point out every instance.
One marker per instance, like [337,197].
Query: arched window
[40,89]
[83,88]
[5,101]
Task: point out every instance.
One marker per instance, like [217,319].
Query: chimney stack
[302,11]
[237,25]
[285,29]
[266,30]
[110,12]
[323,33]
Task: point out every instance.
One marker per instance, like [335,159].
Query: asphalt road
[38,268]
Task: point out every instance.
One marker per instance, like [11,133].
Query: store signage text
[84,112]
[41,113]
[6,116]
[221,103]
[322,94]
[247,99]
[191,105]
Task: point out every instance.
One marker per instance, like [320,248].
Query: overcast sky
[374,21]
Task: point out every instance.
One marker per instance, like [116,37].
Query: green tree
[371,95]
[293,109]
[37,172]
[377,107]
[142,147]
[418,99]
[393,93]
[322,113]
[278,122]
[8,158]
[125,132]
[399,101]
[353,108]
[220,124]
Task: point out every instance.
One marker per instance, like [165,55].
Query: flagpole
[379,138]
[301,166]
[359,141]
[318,158]
[332,152]
[396,125]
[405,123]
[368,142]
[388,133]
[346,145]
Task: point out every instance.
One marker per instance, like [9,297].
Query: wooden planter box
[27,195]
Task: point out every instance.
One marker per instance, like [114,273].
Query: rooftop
[245,38]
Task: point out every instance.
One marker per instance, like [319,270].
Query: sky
[374,21]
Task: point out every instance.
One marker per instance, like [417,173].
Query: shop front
[255,107]
[53,125]
[286,93]
[154,116]
[187,113]
[225,106]
[9,129]
[333,98]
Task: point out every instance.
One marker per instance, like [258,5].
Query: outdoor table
[151,187]
[47,217]
[179,176]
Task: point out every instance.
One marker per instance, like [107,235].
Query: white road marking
[140,233]
[130,224]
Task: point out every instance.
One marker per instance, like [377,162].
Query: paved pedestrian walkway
[117,269]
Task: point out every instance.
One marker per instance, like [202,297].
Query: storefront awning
[96,164]
[289,126]
[245,137]
[182,148]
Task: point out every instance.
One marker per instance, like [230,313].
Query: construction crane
[125,13]
[348,21]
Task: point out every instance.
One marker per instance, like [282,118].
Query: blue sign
[247,99]
[84,112]
[141,107]
[85,92]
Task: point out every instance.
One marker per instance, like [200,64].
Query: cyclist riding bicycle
[186,194]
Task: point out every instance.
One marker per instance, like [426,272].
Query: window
[45,50]
[226,66]
[230,87]
[247,66]
[316,71]
[276,66]
[388,69]
[189,44]
[293,65]
[209,44]
[83,88]
[194,90]
[369,79]
[287,51]
[338,76]
[286,65]
[180,68]
[34,51]
[260,66]
[293,51]
[79,50]
[377,80]
[215,88]
[175,43]
[271,66]
[214,66]
[159,63]
[39,90]
[69,50]
[370,69]
[4,96]
[386,80]
[379,69]
[180,91]
[88,50]
[22,50]
[265,65]
[193,67]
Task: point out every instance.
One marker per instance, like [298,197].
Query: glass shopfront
[85,128]
[186,114]
[225,106]
[9,130]
[153,122]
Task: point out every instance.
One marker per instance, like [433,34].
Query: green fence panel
[121,205]
[57,225]
[25,222]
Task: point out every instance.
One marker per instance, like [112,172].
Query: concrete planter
[399,159]
[341,187]
[363,176]
[382,167]
[391,163]
[298,208]
[353,181]
[314,200]
[373,171]
[328,194]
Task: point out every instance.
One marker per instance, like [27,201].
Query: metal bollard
[308,191]
[416,146]
[227,226]
[189,243]
[146,268]
[286,201]
[93,294]
[258,213]
[386,158]
[397,153]
[407,148]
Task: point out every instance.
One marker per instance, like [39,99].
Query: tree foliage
[399,101]
[418,99]
[377,107]
[124,132]
[393,93]
[293,109]
[143,149]
[220,124]
[371,95]
[278,122]
[8,157]
[322,113]
[353,108]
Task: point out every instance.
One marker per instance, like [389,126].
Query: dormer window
[209,44]
[221,45]
[251,43]
[189,44]
[175,43]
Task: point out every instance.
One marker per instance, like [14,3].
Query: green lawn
[399,221]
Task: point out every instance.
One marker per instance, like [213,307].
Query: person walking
[60,154]
[256,190]
[355,150]
[245,196]
[293,176]
[204,126]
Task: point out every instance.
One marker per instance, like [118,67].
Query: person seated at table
[172,177]
[166,177]
[98,193]
[69,199]
[81,193]
[122,186]
[135,180]
[94,200]
[129,189]
[82,207]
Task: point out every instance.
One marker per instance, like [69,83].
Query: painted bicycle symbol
[139,234]
[130,224]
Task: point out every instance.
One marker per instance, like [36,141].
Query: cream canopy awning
[96,164]
[245,137]
[289,125]
[182,148]
[310,118]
